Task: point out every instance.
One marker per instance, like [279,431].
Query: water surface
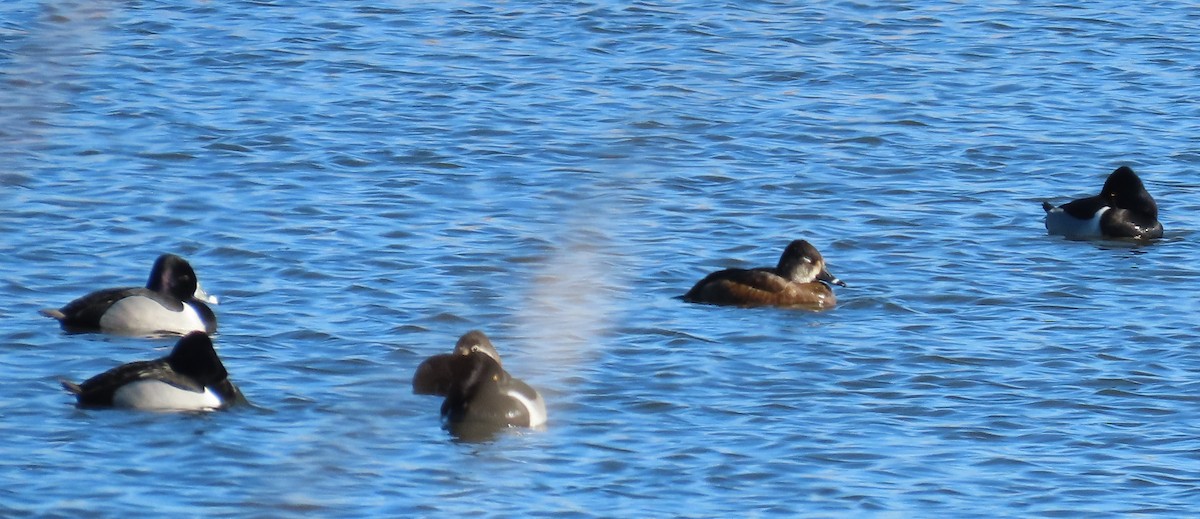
[361,185]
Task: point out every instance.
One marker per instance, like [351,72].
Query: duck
[172,302]
[477,389]
[191,378]
[801,279]
[434,375]
[483,394]
[1123,209]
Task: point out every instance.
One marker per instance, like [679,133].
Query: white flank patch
[156,395]
[140,315]
[1060,223]
[536,407]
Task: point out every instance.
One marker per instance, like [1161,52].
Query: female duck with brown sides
[799,280]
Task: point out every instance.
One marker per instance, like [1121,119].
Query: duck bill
[205,296]
[825,276]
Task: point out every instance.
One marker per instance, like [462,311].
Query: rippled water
[361,185]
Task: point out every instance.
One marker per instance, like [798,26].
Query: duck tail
[53,312]
[71,387]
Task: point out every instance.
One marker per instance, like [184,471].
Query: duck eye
[495,378]
[474,348]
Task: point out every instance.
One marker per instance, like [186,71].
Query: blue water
[361,185]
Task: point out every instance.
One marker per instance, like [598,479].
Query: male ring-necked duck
[191,378]
[1123,209]
[476,387]
[171,302]
[800,279]
[482,393]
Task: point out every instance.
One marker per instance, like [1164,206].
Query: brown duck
[800,279]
